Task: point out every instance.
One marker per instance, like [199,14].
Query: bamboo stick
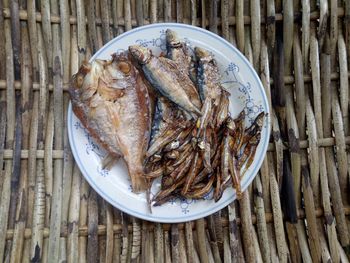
[105,19]
[109,234]
[175,255]
[342,164]
[334,186]
[47,30]
[167,256]
[282,247]
[136,240]
[213,238]
[159,243]
[73,219]
[305,38]
[255,31]
[203,253]
[182,247]
[2,43]
[92,242]
[344,82]
[261,220]
[10,133]
[81,30]
[65,39]
[84,192]
[240,25]
[56,206]
[16,198]
[271,24]
[247,237]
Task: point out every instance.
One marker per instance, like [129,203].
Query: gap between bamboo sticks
[59,154]
[23,15]
[287,80]
[117,228]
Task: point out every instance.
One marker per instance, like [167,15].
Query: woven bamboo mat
[297,209]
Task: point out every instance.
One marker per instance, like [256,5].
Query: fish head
[230,123]
[201,52]
[203,55]
[259,120]
[106,79]
[83,84]
[172,39]
[141,54]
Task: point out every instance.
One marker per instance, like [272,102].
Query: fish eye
[124,67]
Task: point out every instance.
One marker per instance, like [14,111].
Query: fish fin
[109,160]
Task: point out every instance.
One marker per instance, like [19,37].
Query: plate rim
[183,218]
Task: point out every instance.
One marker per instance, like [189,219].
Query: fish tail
[138,181]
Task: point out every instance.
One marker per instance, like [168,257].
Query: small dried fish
[203,121]
[166,192]
[195,167]
[160,142]
[237,139]
[235,174]
[251,149]
[206,151]
[218,187]
[201,192]
[223,111]
[185,153]
[172,155]
[255,128]
[225,156]
[155,173]
[164,200]
[178,173]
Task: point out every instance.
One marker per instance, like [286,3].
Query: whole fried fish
[165,76]
[111,100]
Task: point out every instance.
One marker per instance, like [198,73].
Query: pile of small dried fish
[168,117]
[196,147]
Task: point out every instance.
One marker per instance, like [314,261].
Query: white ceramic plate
[246,92]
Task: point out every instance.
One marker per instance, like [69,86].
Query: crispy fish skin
[111,100]
[164,75]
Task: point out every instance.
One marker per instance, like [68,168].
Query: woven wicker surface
[296,209]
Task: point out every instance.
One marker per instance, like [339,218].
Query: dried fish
[195,167]
[208,76]
[165,76]
[111,100]
[235,175]
[251,146]
[201,192]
